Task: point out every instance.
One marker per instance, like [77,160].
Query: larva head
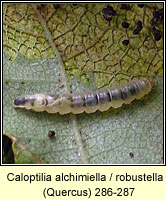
[37,102]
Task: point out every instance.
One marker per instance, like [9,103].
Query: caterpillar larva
[87,102]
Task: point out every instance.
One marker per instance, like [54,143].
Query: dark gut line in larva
[87,102]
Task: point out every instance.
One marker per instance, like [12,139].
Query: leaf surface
[75,49]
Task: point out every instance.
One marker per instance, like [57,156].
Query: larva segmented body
[87,102]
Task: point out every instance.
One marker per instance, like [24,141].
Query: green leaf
[74,48]
[15,152]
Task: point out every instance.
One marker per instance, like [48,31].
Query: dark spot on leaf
[131,154]
[125,42]
[153,21]
[139,25]
[156,14]
[156,33]
[161,12]
[136,32]
[125,7]
[125,24]
[56,6]
[108,13]
[51,133]
[40,6]
[140,5]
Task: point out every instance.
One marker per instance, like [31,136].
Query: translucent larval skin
[87,102]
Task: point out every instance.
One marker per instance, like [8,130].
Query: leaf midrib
[78,140]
